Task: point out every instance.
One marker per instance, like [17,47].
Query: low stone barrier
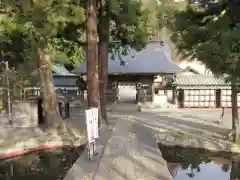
[27,140]
[24,114]
[172,138]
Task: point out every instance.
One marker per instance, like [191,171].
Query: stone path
[131,153]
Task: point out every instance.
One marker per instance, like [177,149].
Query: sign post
[92,130]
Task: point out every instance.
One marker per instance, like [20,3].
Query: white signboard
[89,123]
[95,124]
[92,124]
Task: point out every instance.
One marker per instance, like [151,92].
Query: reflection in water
[41,165]
[197,164]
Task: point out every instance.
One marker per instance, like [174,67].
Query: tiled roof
[151,60]
[61,70]
[64,81]
[199,80]
[62,77]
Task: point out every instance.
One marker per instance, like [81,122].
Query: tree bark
[234,174]
[235,122]
[52,118]
[92,56]
[103,31]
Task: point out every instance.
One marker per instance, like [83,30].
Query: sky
[208,171]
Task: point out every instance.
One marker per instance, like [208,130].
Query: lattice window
[200,98]
[226,98]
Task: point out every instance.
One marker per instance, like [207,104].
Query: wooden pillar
[115,92]
[218,98]
[181,98]
[153,90]
[138,87]
[174,95]
[148,92]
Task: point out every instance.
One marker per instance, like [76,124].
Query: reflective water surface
[196,164]
[41,165]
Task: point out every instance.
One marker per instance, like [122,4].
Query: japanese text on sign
[92,124]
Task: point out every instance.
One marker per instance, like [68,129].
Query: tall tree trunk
[103,31]
[235,122]
[92,56]
[234,173]
[52,119]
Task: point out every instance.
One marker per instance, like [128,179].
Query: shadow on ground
[204,135]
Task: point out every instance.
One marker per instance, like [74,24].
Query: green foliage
[12,48]
[43,24]
[207,31]
[27,25]
[58,27]
[66,52]
[40,20]
[166,10]
[129,24]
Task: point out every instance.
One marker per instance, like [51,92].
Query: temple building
[159,79]
[147,71]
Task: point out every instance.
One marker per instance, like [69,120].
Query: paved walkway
[131,153]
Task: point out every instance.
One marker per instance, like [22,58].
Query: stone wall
[24,114]
[209,141]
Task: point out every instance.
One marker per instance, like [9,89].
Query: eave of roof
[200,80]
[150,60]
[60,70]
